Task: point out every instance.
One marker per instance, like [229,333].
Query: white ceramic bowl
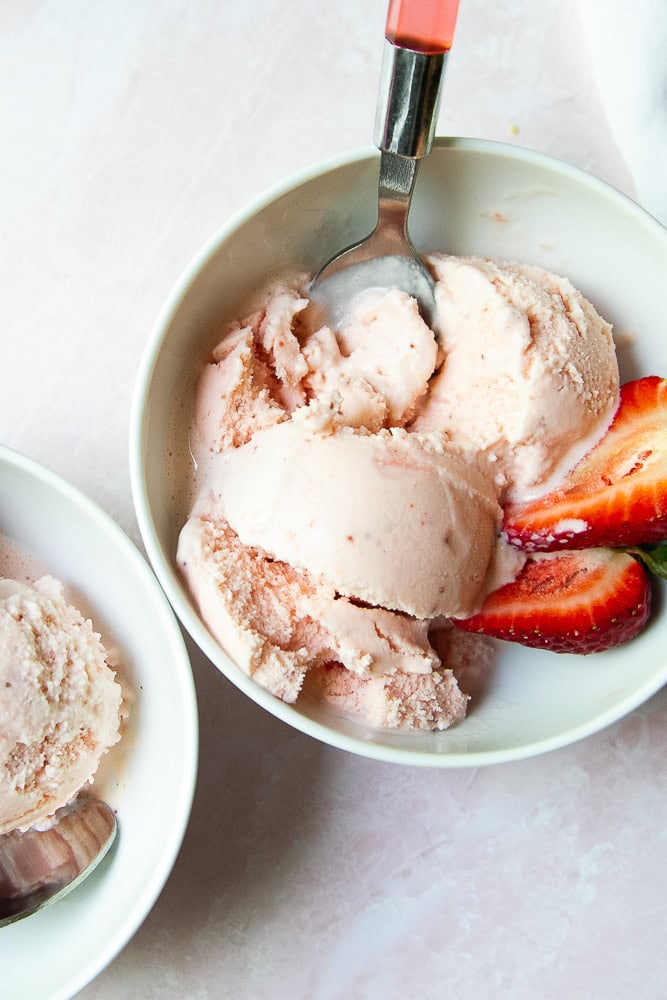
[472,197]
[149,777]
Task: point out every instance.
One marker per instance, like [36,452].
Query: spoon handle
[418,38]
[424,25]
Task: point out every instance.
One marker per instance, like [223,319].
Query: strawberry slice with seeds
[617,494]
[568,602]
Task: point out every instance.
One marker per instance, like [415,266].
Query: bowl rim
[164,569]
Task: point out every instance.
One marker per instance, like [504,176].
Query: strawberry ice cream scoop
[398,520]
[60,703]
[530,373]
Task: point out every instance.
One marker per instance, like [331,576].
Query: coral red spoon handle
[423,25]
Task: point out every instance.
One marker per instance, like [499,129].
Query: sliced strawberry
[569,602]
[617,494]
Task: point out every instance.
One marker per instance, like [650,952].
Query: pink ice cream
[531,376]
[350,482]
[60,703]
[349,508]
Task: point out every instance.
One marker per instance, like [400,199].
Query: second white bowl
[149,776]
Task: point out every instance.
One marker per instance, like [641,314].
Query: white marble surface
[131,130]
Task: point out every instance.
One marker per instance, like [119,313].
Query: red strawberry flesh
[569,602]
[617,494]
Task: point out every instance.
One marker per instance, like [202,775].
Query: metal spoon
[418,39]
[39,866]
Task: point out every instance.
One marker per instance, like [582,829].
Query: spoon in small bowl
[419,36]
[39,866]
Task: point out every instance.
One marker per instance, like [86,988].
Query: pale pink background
[131,130]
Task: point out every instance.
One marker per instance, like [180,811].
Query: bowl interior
[147,779]
[472,197]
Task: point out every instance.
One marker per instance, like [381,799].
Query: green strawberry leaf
[654,557]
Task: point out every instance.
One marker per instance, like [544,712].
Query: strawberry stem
[654,557]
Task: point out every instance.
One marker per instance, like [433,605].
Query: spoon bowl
[384,259]
[39,866]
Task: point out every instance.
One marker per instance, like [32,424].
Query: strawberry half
[568,602]
[617,494]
